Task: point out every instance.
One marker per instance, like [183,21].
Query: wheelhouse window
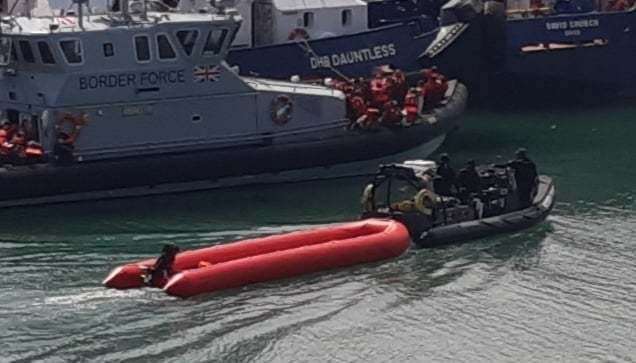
[308,19]
[27,51]
[109,49]
[142,48]
[346,17]
[6,51]
[214,42]
[72,50]
[164,47]
[14,53]
[187,39]
[46,53]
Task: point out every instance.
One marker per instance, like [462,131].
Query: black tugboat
[406,192]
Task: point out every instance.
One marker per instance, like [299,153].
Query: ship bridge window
[6,50]
[72,50]
[142,48]
[214,43]
[346,17]
[164,47]
[45,53]
[27,51]
[109,49]
[308,19]
[187,39]
[14,53]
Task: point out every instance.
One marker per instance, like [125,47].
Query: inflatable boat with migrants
[275,257]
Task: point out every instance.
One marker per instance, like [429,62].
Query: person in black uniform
[162,269]
[468,180]
[446,177]
[525,176]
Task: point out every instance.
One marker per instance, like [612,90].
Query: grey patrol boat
[135,102]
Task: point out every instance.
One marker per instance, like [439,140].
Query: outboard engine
[470,44]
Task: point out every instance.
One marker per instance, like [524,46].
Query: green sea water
[564,290]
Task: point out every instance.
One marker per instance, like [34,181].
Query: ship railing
[290,86]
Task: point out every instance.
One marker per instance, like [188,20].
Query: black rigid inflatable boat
[405,192]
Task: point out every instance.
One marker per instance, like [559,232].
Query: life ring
[367,198]
[281,109]
[298,34]
[425,202]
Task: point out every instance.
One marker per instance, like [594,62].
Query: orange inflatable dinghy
[269,258]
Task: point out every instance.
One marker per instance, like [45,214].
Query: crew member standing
[446,181]
[525,175]
[469,180]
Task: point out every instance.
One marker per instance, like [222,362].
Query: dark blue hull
[592,48]
[353,55]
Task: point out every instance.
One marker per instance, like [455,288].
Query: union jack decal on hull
[206,73]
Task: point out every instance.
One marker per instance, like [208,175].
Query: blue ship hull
[353,55]
[592,48]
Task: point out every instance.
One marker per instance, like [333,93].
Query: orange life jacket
[6,148]
[392,113]
[358,106]
[379,91]
[34,151]
[410,110]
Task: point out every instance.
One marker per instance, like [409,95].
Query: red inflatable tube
[274,257]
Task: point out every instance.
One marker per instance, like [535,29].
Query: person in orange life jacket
[19,142]
[620,5]
[34,152]
[361,88]
[379,91]
[392,113]
[369,119]
[357,107]
[6,147]
[433,92]
[410,110]
[400,87]
[4,132]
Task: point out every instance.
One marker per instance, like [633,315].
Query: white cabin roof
[261,84]
[63,24]
[298,5]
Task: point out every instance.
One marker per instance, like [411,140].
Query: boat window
[45,53]
[27,51]
[187,39]
[6,50]
[14,53]
[308,19]
[142,48]
[72,50]
[346,16]
[166,51]
[214,43]
[109,49]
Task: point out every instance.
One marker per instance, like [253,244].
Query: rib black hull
[509,222]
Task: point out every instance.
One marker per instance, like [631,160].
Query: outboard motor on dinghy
[470,43]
